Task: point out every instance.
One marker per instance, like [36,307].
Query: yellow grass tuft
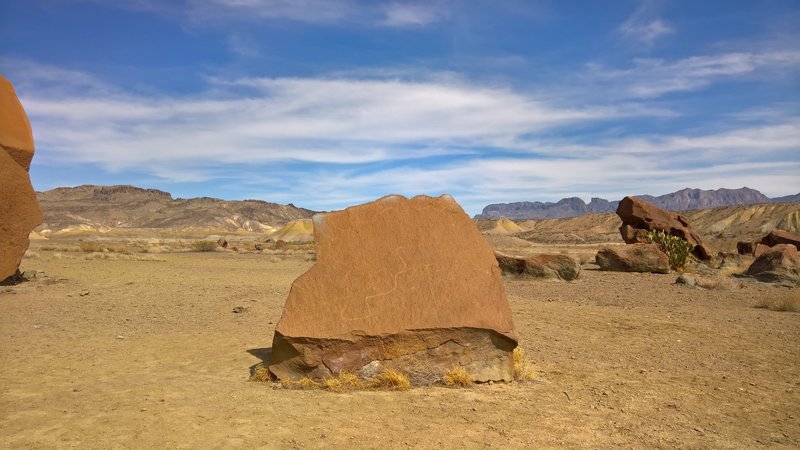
[301,384]
[344,382]
[260,375]
[523,371]
[457,377]
[391,380]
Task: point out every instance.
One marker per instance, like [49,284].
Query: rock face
[639,217]
[19,210]
[400,284]
[633,258]
[779,264]
[560,267]
[776,237]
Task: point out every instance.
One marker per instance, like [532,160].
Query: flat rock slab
[561,267]
[398,283]
[633,258]
[19,209]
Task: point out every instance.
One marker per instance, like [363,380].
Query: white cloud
[655,77]
[411,14]
[643,27]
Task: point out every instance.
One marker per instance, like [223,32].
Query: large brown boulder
[639,217]
[409,285]
[561,267]
[633,258]
[779,264]
[19,210]
[776,237]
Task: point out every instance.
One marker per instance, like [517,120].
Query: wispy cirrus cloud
[655,77]
[412,14]
[644,27]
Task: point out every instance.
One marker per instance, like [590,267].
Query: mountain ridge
[102,208]
[682,200]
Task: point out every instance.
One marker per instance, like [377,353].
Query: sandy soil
[152,356]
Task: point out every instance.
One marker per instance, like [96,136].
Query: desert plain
[155,350]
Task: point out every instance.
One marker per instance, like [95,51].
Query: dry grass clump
[344,382]
[303,384]
[391,380]
[121,257]
[457,377]
[523,371]
[29,254]
[260,375]
[791,303]
[90,247]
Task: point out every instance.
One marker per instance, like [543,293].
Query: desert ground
[144,350]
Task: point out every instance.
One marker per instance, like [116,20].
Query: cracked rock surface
[406,284]
[19,210]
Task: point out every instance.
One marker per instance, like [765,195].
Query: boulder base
[633,258]
[405,284]
[423,355]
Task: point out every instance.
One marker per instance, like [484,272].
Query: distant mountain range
[685,199]
[103,208]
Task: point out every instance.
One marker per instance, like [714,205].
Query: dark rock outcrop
[776,237]
[19,210]
[415,289]
[633,258]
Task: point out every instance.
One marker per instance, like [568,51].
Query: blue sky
[327,104]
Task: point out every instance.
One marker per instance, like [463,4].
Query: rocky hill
[104,208]
[685,199]
[724,225]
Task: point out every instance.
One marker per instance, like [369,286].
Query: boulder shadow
[264,354]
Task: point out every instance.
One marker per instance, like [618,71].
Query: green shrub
[677,249]
[204,246]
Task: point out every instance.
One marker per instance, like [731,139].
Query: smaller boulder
[776,237]
[687,280]
[633,258]
[779,264]
[222,242]
[560,267]
[280,244]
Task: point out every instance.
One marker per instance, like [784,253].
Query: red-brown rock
[779,264]
[637,214]
[19,210]
[760,249]
[400,284]
[776,237]
[560,267]
[633,258]
[222,242]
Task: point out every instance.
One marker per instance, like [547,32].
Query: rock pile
[407,285]
[19,210]
[639,217]
[771,239]
[779,264]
